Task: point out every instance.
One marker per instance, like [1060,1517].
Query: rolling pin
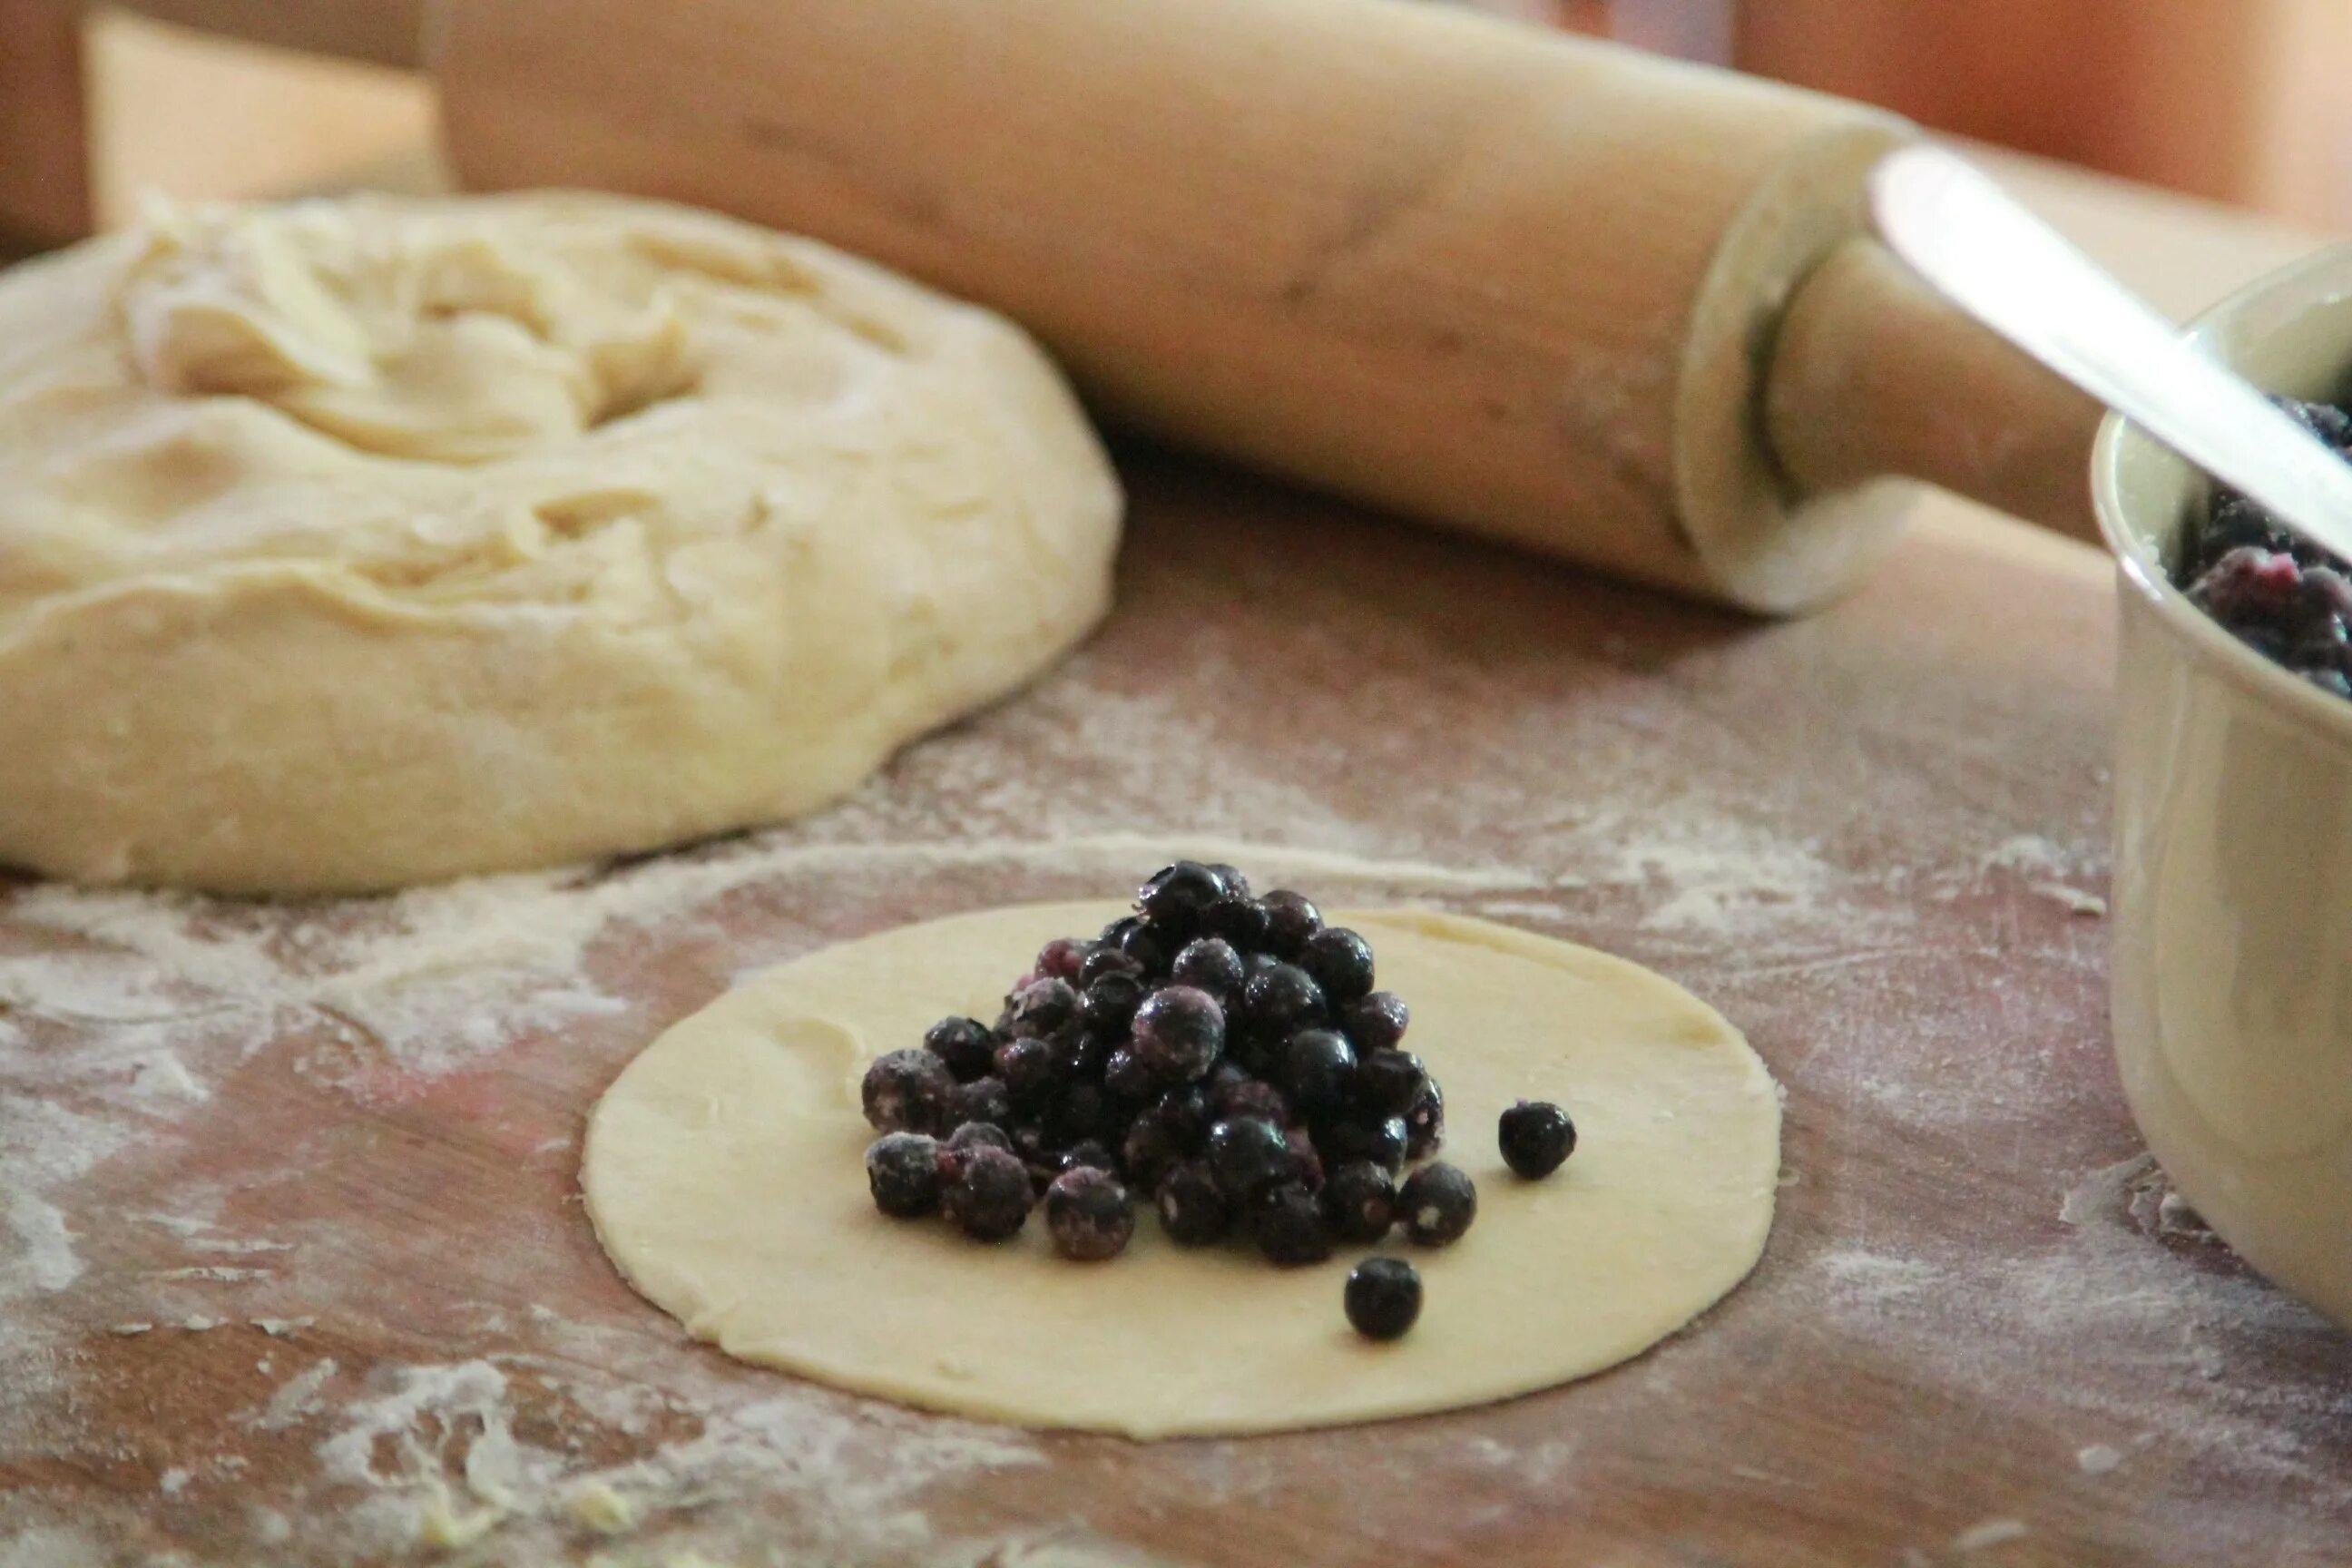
[1547,290]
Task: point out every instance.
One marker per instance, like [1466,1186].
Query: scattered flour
[2030,854]
[438,1455]
[1992,1532]
[2098,1458]
[1712,873]
[1869,1278]
[297,1397]
[2074,900]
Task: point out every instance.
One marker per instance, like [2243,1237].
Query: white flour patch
[297,1397]
[1992,1532]
[2098,1458]
[161,1081]
[43,1146]
[41,1256]
[2030,854]
[1873,1279]
[437,1453]
[45,1546]
[1711,874]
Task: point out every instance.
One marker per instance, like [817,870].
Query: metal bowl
[2232,935]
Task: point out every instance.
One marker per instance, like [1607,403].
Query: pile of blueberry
[1221,1056]
[2288,600]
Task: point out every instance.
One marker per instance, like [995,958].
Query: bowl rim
[2140,568]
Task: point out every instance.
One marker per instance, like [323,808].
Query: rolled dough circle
[358,542]
[723,1173]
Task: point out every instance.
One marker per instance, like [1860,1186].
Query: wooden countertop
[296,1268]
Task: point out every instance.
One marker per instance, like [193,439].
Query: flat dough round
[724,1173]
[357,543]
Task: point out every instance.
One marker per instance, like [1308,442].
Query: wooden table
[296,1268]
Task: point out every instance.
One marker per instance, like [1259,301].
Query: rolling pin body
[1521,283]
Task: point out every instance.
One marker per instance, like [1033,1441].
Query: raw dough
[723,1171]
[358,542]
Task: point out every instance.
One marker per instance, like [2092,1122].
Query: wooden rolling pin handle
[1875,375]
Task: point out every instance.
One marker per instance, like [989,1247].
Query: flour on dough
[365,542]
[723,1172]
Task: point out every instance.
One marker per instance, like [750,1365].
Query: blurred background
[2239,101]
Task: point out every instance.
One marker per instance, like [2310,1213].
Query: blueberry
[1125,1074]
[1238,919]
[1109,1004]
[1318,1067]
[991,1196]
[907,1091]
[1231,879]
[1287,1225]
[979,1135]
[1437,1204]
[965,1045]
[1087,1154]
[1360,1202]
[1424,1124]
[1389,1081]
[1176,897]
[1383,1298]
[1062,958]
[1088,1215]
[1211,964]
[1106,960]
[1536,1136]
[1250,1097]
[1043,1007]
[1148,1152]
[2250,584]
[1384,1140]
[1280,1000]
[982,1100]
[1079,1112]
[1026,1066]
[1258,1058]
[1341,962]
[1247,1156]
[1290,919]
[1186,1113]
[1304,1161]
[1376,1022]
[903,1171]
[1178,1031]
[1192,1208]
[2330,423]
[1147,946]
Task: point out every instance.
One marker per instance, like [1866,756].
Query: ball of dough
[367,541]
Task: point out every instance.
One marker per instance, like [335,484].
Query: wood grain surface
[1862,837]
[292,1268]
